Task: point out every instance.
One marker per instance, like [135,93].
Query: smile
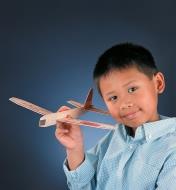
[131,115]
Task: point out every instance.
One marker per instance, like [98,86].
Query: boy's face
[131,96]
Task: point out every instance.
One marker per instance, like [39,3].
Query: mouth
[130,115]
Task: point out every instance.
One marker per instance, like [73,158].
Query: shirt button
[131,146]
[149,136]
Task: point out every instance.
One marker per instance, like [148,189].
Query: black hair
[122,56]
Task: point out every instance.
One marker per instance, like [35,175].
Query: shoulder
[167,142]
[170,142]
[166,131]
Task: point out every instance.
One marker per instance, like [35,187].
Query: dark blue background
[48,51]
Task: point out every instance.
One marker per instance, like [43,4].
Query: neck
[130,131]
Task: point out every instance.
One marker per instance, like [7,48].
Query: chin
[134,125]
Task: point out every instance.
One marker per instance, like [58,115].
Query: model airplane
[49,118]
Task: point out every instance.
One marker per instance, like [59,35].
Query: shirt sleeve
[167,176]
[84,177]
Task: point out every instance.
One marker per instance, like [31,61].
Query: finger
[62,125]
[70,127]
[61,131]
[66,125]
[63,108]
[68,116]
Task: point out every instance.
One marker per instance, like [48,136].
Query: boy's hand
[72,138]
[69,135]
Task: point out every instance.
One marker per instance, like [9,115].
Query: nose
[126,105]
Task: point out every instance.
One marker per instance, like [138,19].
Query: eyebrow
[126,84]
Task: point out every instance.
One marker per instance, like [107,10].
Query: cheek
[114,111]
[109,107]
[148,101]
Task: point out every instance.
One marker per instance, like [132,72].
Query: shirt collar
[153,130]
[164,126]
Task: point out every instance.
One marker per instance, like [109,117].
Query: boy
[141,153]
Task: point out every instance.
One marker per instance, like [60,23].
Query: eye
[132,89]
[113,98]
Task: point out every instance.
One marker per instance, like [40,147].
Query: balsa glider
[49,118]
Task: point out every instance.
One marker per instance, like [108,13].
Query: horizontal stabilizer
[90,108]
[76,104]
[97,110]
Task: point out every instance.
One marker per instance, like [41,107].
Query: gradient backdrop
[48,52]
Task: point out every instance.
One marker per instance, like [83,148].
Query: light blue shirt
[146,161]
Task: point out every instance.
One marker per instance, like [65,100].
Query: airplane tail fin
[88,100]
[88,104]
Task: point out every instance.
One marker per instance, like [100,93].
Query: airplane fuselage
[50,119]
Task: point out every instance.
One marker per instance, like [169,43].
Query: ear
[160,82]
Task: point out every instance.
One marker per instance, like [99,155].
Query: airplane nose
[42,122]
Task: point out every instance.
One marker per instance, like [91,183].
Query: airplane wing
[51,119]
[87,123]
[30,106]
